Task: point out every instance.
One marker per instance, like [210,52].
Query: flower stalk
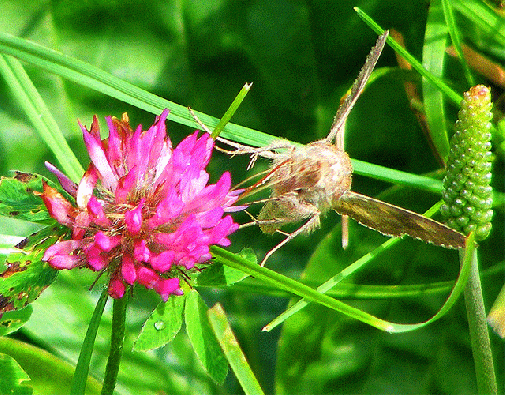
[116,344]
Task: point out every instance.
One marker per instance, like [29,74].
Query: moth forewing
[392,220]
[337,128]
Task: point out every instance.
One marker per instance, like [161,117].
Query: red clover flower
[143,208]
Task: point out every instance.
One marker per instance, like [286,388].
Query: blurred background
[301,56]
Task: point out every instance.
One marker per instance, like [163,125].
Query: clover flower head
[144,210]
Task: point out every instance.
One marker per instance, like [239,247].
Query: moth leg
[345,231]
[268,151]
[310,224]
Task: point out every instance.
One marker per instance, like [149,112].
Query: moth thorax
[335,171]
[316,173]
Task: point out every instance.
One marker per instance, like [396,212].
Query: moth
[307,181]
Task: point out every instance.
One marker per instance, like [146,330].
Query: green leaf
[232,350]
[29,99]
[13,320]
[162,325]
[49,374]
[221,275]
[12,377]
[202,338]
[435,42]
[94,78]
[27,275]
[17,199]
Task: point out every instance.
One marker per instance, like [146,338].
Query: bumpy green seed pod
[467,195]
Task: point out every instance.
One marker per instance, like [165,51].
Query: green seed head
[467,195]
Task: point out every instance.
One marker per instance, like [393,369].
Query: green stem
[479,335]
[81,370]
[116,344]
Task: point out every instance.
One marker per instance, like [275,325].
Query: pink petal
[162,262]
[193,183]
[147,277]
[114,141]
[86,186]
[106,243]
[58,255]
[140,251]
[133,218]
[168,286]
[116,288]
[97,156]
[81,223]
[128,269]
[59,208]
[210,218]
[126,185]
[67,184]
[98,215]
[168,209]
[95,258]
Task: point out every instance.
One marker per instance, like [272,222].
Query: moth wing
[356,89]
[392,220]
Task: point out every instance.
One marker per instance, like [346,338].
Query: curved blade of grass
[311,295]
[435,43]
[92,77]
[349,270]
[348,291]
[455,38]
[332,282]
[484,17]
[233,352]
[440,84]
[30,101]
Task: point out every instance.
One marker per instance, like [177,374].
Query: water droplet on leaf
[159,325]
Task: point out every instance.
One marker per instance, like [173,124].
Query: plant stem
[479,335]
[116,344]
[81,370]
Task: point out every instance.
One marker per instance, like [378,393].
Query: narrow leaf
[435,43]
[311,295]
[202,338]
[79,381]
[233,352]
[32,103]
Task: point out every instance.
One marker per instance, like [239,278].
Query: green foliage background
[302,57]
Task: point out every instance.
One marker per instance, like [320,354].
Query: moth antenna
[356,89]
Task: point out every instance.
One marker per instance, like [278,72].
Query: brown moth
[307,181]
